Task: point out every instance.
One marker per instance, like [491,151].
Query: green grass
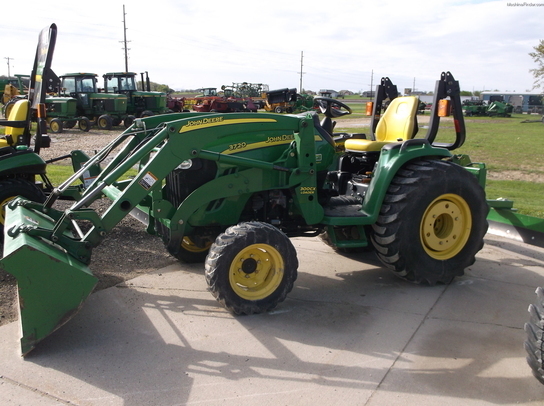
[59,173]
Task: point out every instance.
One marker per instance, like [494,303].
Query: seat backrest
[19,112]
[399,120]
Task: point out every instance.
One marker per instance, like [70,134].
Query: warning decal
[148,181]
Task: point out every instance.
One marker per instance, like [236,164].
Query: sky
[349,45]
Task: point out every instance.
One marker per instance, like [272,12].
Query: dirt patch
[516,175]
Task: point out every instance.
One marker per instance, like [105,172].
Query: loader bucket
[52,285]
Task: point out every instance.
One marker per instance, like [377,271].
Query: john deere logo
[281,138]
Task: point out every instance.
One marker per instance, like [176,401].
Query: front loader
[230,189]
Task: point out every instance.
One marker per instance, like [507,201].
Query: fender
[392,158]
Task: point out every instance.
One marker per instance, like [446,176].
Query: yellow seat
[397,124]
[19,112]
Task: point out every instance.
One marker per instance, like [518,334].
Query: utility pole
[301,73]
[9,59]
[125,39]
[371,81]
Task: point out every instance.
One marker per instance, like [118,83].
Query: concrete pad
[349,333]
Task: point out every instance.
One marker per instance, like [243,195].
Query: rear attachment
[504,221]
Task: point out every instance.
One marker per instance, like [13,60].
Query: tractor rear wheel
[251,267]
[534,345]
[432,222]
[10,189]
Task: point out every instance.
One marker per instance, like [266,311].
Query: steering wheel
[331,108]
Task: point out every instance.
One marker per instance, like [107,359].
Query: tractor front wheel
[191,252]
[10,189]
[432,222]
[56,126]
[128,120]
[105,122]
[84,124]
[534,345]
[251,267]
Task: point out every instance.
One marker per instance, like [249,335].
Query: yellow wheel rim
[188,245]
[54,126]
[3,210]
[445,226]
[256,272]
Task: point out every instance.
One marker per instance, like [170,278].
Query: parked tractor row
[77,99]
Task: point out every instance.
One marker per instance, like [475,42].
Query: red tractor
[211,102]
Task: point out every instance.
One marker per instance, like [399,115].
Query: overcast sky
[347,44]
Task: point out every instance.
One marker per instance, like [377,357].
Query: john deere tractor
[140,103]
[230,189]
[91,107]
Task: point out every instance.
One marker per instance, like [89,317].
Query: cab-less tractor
[230,189]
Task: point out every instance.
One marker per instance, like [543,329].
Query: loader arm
[62,241]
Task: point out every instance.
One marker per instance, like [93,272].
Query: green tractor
[500,108]
[230,189]
[91,107]
[140,103]
[474,108]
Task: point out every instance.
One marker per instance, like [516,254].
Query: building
[522,102]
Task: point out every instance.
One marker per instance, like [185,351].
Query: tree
[538,57]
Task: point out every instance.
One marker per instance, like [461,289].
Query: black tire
[251,268]
[84,124]
[147,113]
[278,110]
[534,345]
[11,188]
[9,106]
[128,120]
[105,122]
[191,252]
[432,222]
[56,126]
[69,124]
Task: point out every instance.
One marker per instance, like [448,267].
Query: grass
[59,173]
